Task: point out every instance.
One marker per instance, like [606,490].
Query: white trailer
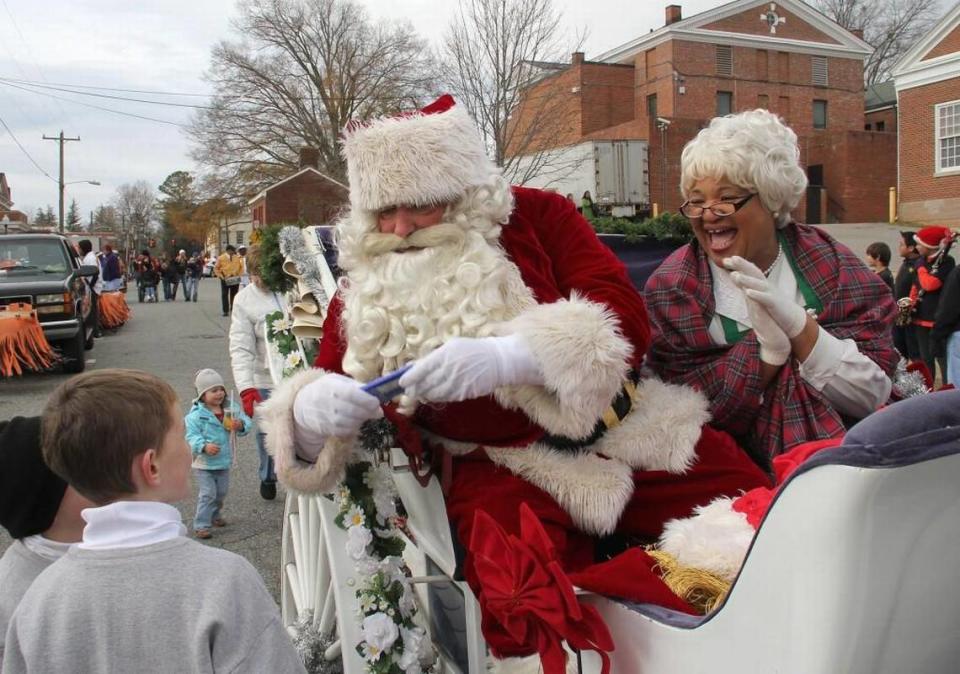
[615,172]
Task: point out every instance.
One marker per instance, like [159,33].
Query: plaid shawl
[857,305]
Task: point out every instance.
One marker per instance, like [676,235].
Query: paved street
[174,340]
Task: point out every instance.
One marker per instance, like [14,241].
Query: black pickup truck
[43,270]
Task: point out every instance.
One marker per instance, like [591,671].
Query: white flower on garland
[358,538]
[414,650]
[380,482]
[392,568]
[407,602]
[293,360]
[355,517]
[379,632]
[282,325]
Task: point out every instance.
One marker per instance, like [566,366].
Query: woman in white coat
[248,357]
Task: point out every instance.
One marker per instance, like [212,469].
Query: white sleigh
[854,569]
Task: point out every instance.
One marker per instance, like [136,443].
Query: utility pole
[60,139]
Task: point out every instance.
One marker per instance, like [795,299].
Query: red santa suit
[590,453]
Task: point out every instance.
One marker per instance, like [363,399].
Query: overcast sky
[164,45]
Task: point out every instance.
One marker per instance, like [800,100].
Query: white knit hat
[431,156]
[206,379]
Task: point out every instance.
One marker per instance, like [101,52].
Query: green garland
[271,260]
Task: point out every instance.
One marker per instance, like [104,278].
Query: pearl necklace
[766,272]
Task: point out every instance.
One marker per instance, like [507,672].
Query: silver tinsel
[908,384]
[311,645]
[293,248]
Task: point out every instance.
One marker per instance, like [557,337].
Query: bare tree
[135,205]
[300,71]
[492,55]
[890,26]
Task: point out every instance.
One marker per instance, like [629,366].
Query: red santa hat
[932,237]
[431,156]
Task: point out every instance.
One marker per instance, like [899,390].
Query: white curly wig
[754,150]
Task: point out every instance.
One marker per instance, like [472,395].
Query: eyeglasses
[721,209]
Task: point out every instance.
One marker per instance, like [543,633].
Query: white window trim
[937,171]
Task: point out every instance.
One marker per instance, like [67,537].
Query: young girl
[209,424]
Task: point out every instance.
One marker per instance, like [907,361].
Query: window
[763,101]
[783,66]
[239,236]
[724,59]
[819,71]
[724,103]
[652,106]
[784,108]
[763,65]
[881,126]
[948,137]
[867,127]
[819,114]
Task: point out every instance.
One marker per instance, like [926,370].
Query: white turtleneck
[130,524]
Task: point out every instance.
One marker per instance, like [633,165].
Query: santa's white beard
[399,306]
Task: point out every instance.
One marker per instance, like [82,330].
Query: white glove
[774,344]
[466,368]
[332,406]
[789,315]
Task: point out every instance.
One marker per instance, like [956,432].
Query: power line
[129,91]
[29,51]
[95,107]
[24,150]
[96,95]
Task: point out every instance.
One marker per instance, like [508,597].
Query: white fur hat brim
[423,158]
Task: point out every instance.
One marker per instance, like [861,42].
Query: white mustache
[377,243]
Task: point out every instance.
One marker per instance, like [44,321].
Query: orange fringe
[22,342]
[114,310]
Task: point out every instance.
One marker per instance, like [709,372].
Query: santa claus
[525,337]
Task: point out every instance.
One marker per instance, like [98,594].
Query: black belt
[611,418]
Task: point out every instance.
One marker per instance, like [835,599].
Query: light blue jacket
[203,427]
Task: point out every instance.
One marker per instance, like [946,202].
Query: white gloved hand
[789,315]
[332,406]
[466,368]
[775,346]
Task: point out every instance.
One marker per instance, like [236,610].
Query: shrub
[666,227]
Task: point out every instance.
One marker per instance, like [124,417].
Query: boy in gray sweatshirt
[135,594]
[39,511]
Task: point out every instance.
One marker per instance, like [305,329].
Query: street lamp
[73,182]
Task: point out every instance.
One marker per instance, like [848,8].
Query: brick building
[11,220]
[307,196]
[783,56]
[928,94]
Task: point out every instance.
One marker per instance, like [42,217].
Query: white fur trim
[592,490]
[584,360]
[418,159]
[662,430]
[276,416]
[715,538]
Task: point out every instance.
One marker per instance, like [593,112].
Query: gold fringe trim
[701,589]
[23,345]
[114,310]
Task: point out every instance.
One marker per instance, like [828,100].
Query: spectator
[878,259]
[228,268]
[904,338]
[586,205]
[248,355]
[245,275]
[117,437]
[39,511]
[211,423]
[933,267]
[171,278]
[192,276]
[110,270]
[180,262]
[95,284]
[945,336]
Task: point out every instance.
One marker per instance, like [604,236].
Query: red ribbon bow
[527,599]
